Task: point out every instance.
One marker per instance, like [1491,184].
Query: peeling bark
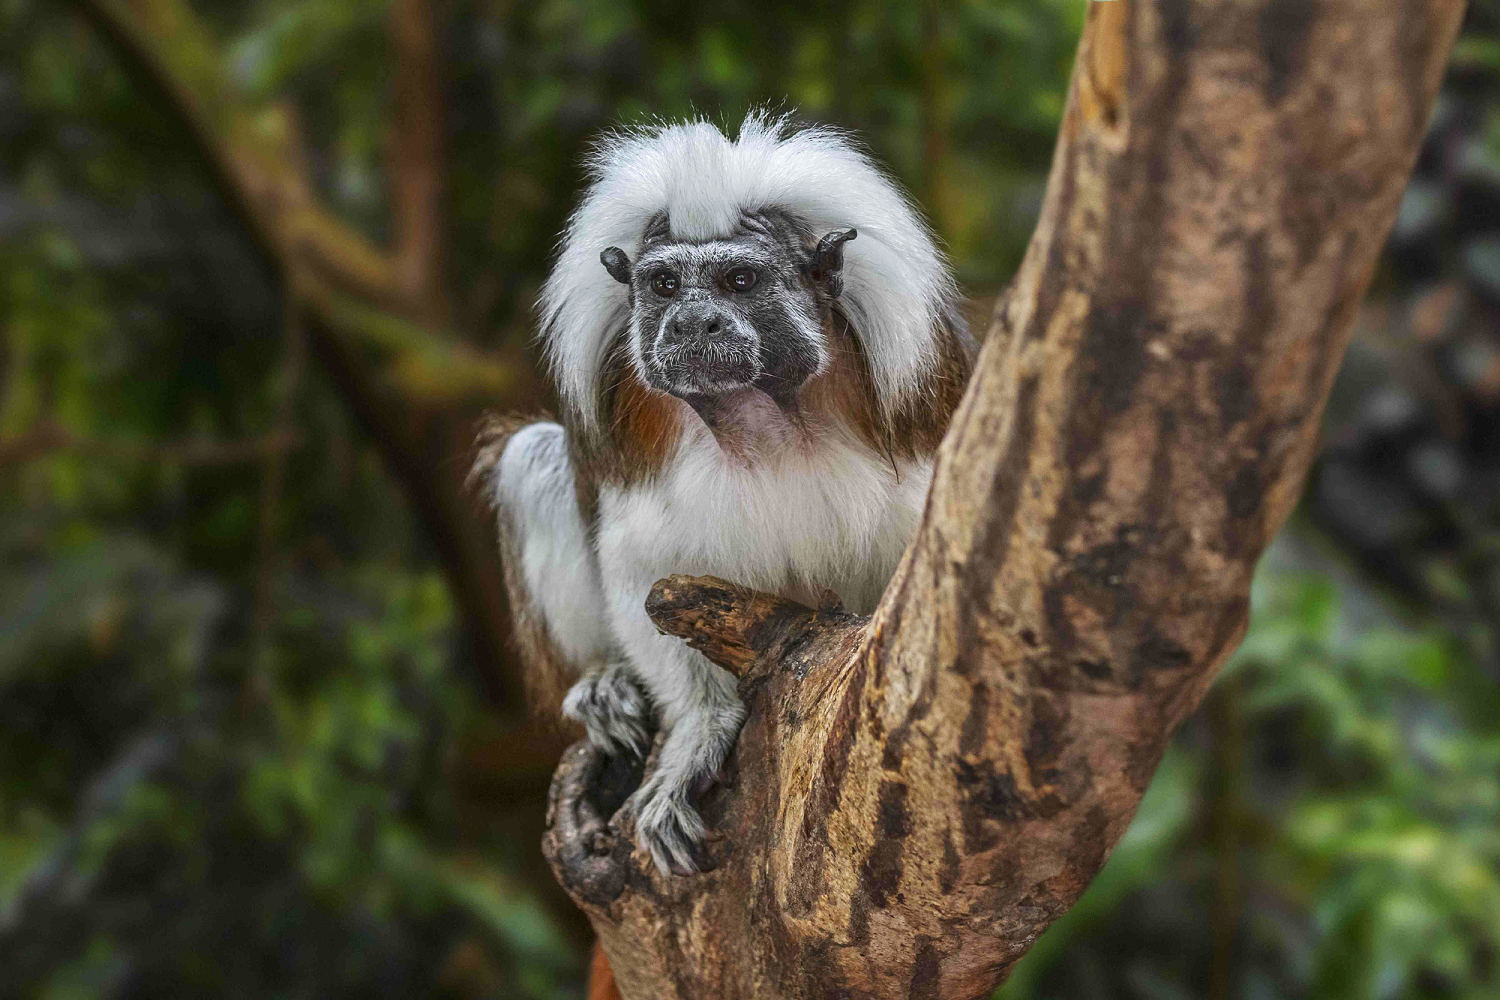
[916,796]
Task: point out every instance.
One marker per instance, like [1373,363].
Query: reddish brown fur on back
[921,420]
[601,977]
[845,392]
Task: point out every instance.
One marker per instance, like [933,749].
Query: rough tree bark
[918,795]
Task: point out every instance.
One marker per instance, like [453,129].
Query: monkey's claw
[614,711]
[668,827]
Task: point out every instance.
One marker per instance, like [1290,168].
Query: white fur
[896,283]
[534,490]
[834,515]
[821,511]
[831,514]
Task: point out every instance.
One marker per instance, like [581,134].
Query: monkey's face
[711,318]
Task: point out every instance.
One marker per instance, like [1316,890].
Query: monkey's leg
[553,578]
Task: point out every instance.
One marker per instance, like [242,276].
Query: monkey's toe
[615,712]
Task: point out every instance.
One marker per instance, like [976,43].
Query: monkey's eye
[741,279]
[664,283]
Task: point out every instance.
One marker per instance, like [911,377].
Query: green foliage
[235,767]
[230,832]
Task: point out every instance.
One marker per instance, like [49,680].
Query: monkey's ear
[828,260]
[616,263]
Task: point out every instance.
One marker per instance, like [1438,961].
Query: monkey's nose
[694,328]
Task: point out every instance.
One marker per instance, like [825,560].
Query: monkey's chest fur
[790,503]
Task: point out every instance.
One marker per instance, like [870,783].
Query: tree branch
[394,374]
[736,628]
[246,149]
[416,156]
[910,810]
[47,438]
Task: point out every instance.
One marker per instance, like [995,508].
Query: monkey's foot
[667,826]
[614,711]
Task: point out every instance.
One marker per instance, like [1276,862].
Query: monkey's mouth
[703,370]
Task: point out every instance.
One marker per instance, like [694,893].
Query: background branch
[416,158]
[48,438]
[373,318]
[400,379]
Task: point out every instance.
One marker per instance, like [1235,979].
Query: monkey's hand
[666,823]
[614,711]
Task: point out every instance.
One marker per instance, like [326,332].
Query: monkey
[756,347]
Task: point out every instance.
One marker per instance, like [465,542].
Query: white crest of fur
[897,286]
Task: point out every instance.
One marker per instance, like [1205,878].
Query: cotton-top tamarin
[756,347]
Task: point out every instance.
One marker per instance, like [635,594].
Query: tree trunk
[918,795]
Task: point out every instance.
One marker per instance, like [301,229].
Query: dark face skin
[711,320]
